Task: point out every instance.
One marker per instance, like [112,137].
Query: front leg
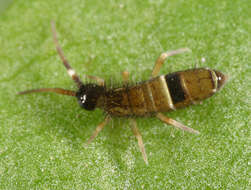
[98,129]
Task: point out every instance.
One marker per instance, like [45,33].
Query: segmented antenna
[70,70]
[56,90]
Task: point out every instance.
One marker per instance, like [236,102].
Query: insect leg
[100,81]
[161,59]
[125,77]
[98,129]
[176,124]
[56,90]
[139,138]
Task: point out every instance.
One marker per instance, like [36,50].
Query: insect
[148,98]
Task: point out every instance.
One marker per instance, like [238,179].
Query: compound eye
[87,102]
[88,95]
[83,99]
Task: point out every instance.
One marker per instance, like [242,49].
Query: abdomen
[161,94]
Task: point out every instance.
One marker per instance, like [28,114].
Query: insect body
[149,98]
[161,94]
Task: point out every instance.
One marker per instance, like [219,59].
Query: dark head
[88,95]
[221,79]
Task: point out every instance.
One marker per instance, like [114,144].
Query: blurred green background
[42,136]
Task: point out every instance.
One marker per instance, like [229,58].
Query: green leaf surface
[42,136]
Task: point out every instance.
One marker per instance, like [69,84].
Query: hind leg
[161,59]
[176,124]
